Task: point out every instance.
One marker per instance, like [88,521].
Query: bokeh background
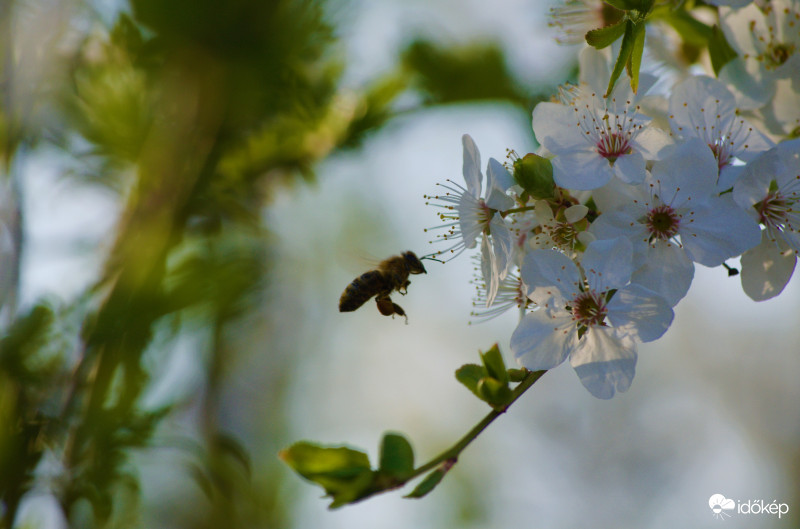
[239,165]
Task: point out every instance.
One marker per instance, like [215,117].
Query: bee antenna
[430,257]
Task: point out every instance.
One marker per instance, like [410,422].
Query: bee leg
[388,308]
[385,305]
[403,289]
[399,311]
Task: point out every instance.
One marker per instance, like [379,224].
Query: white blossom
[594,316]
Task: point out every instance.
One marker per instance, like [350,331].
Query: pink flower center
[773,210]
[589,309]
[613,145]
[662,222]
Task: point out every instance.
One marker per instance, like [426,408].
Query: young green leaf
[719,50]
[397,457]
[494,364]
[495,392]
[427,484]
[470,375]
[603,37]
[625,5]
[344,473]
[624,53]
[635,58]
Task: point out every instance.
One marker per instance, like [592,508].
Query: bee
[391,274]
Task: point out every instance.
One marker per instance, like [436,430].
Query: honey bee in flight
[391,274]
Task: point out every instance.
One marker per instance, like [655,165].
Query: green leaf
[344,473]
[691,30]
[494,364]
[719,50]
[470,375]
[624,53]
[397,457]
[428,484]
[460,73]
[494,391]
[517,375]
[635,58]
[603,37]
[535,175]
[625,5]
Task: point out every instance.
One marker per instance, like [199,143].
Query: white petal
[548,274]
[667,270]
[608,264]
[555,127]
[739,26]
[623,222]
[472,166]
[748,82]
[469,219]
[498,180]
[753,185]
[581,170]
[720,230]
[640,313]
[651,141]
[489,269]
[540,341]
[701,107]
[575,213]
[502,245]
[604,361]
[630,168]
[688,170]
[766,269]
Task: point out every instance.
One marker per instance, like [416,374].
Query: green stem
[452,453]
[517,210]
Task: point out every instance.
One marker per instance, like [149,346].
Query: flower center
[662,222]
[564,234]
[589,309]
[774,209]
[721,151]
[776,54]
[613,145]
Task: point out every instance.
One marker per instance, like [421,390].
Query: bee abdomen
[360,290]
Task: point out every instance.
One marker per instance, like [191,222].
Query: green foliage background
[192,114]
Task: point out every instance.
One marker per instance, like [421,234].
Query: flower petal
[472,166]
[640,313]
[581,170]
[549,274]
[543,341]
[630,168]
[720,230]
[498,180]
[608,264]
[604,361]
[767,268]
[666,270]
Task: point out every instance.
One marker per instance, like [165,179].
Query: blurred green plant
[193,113]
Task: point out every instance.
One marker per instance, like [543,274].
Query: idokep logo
[722,507]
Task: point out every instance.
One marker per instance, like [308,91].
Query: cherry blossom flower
[563,234]
[593,137]
[675,219]
[467,215]
[769,190]
[593,315]
[767,40]
[702,107]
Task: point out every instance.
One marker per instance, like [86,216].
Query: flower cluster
[595,237]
